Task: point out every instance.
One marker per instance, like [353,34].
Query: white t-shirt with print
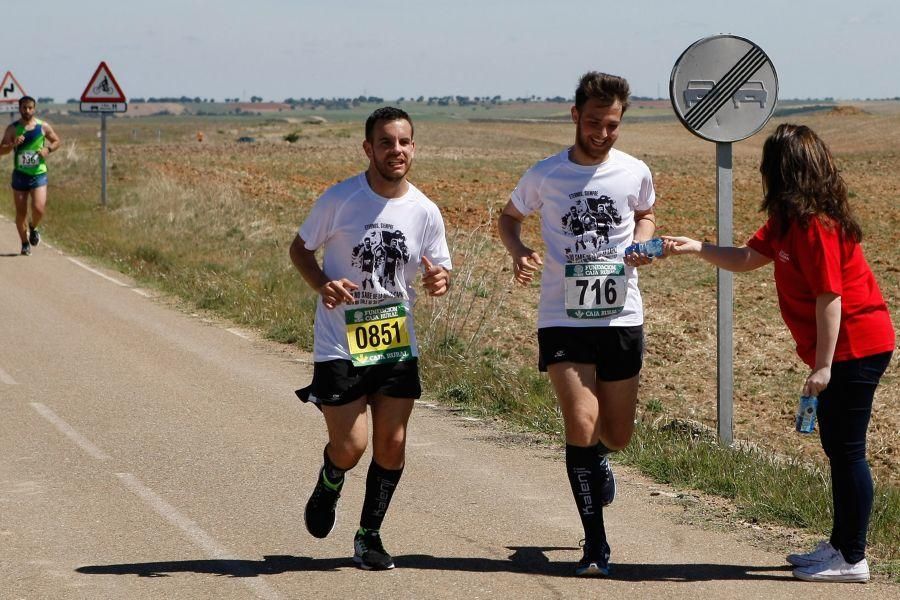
[378,244]
[587,216]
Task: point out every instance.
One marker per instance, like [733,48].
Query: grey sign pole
[725,298]
[103,95]
[103,159]
[724,89]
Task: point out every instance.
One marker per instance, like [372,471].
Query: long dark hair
[801,181]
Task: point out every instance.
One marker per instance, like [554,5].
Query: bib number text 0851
[378,335]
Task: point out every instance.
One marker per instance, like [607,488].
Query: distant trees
[347,103]
[172,99]
[463,100]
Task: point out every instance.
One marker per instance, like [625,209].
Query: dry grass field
[212,220]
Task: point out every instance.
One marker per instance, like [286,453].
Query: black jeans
[845,407]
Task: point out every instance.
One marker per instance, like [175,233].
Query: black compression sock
[380,486]
[581,466]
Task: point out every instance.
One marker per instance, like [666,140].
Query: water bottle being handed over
[651,248]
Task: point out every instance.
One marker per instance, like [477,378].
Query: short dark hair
[386,113]
[603,87]
[25,99]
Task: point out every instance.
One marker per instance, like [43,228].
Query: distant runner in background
[593,201]
[377,230]
[30,140]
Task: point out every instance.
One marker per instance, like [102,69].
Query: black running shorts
[337,382]
[618,352]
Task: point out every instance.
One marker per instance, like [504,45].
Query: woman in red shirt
[832,305]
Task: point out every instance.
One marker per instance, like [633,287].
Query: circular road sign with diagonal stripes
[723,88]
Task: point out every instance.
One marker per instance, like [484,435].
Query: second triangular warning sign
[10,89]
[103,87]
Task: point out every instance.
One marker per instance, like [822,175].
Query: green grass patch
[766,488]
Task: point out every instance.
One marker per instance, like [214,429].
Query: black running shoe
[607,482]
[595,561]
[26,249]
[369,553]
[34,236]
[319,514]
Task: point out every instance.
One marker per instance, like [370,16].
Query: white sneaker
[835,570]
[823,552]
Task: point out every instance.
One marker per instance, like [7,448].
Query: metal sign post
[725,299]
[724,89]
[103,95]
[103,159]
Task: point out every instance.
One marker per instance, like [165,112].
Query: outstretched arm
[526,261]
[730,258]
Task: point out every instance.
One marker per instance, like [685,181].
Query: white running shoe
[835,570]
[823,552]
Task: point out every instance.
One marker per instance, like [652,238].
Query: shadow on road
[530,560]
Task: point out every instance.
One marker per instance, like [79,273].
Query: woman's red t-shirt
[820,259]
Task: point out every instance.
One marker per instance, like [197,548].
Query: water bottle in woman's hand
[806,414]
[651,248]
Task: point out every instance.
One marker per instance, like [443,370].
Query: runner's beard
[589,149]
[390,174]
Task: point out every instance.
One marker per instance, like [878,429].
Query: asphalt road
[151,453]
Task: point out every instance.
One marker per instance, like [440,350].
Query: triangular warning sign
[10,90]
[103,87]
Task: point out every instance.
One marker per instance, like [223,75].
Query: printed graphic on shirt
[589,221]
[380,256]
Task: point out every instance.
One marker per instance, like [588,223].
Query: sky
[278,49]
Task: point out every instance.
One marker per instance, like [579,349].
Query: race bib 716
[595,290]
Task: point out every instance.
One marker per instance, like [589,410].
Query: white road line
[96,272]
[138,291]
[70,433]
[199,537]
[6,378]
[238,333]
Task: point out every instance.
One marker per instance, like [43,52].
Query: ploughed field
[224,212]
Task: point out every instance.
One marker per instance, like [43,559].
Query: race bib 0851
[378,335]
